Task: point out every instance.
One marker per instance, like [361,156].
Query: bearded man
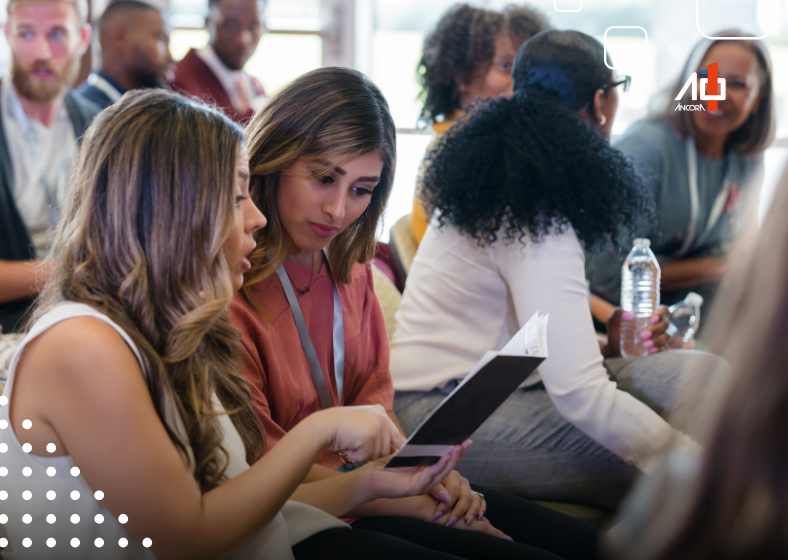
[135,52]
[41,120]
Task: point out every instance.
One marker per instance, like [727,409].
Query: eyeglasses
[626,81]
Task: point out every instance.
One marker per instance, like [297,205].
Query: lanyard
[105,87]
[309,349]
[716,209]
[27,131]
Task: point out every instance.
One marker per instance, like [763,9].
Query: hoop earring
[602,120]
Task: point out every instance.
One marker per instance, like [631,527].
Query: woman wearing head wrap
[521,186]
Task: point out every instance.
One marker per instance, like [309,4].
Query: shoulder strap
[716,210]
[303,332]
[338,335]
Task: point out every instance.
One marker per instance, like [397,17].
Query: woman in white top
[521,186]
[126,429]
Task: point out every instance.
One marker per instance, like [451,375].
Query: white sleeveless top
[33,488]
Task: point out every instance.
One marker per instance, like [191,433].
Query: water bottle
[640,278]
[684,320]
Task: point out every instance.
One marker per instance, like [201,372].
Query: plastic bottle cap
[642,242]
[695,299]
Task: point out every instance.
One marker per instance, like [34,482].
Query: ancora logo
[716,90]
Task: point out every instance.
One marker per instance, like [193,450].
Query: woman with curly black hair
[469,54]
[520,187]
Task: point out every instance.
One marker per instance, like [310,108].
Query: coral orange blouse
[274,362]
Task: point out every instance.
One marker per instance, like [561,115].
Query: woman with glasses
[469,54]
[548,184]
[699,167]
[625,81]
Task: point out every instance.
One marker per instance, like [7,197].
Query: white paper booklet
[530,340]
[480,393]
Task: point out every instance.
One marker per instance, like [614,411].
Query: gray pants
[528,449]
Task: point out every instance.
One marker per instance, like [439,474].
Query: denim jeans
[528,449]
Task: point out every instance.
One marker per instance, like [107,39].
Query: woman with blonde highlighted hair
[124,405]
[322,157]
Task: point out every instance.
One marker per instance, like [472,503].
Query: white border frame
[697,24]
[604,42]
[557,9]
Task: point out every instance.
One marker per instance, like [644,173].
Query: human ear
[84,40]
[118,35]
[597,114]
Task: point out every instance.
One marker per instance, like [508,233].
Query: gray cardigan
[659,155]
[15,244]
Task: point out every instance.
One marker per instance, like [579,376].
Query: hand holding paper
[411,481]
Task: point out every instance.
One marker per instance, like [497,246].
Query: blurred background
[647,39]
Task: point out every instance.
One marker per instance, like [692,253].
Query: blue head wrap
[567,64]
[550,78]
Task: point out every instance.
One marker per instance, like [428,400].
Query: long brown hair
[142,239]
[330,116]
[739,506]
[756,134]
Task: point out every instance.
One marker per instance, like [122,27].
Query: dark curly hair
[529,164]
[462,46]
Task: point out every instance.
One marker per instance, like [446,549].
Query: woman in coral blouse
[322,157]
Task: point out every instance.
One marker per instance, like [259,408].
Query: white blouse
[49,511]
[462,300]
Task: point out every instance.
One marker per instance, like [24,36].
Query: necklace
[311,275]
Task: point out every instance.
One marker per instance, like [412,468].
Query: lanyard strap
[716,209]
[309,349]
[105,87]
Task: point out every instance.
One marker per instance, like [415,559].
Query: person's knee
[697,364]
[695,409]
[676,367]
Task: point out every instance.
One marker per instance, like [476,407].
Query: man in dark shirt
[135,53]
